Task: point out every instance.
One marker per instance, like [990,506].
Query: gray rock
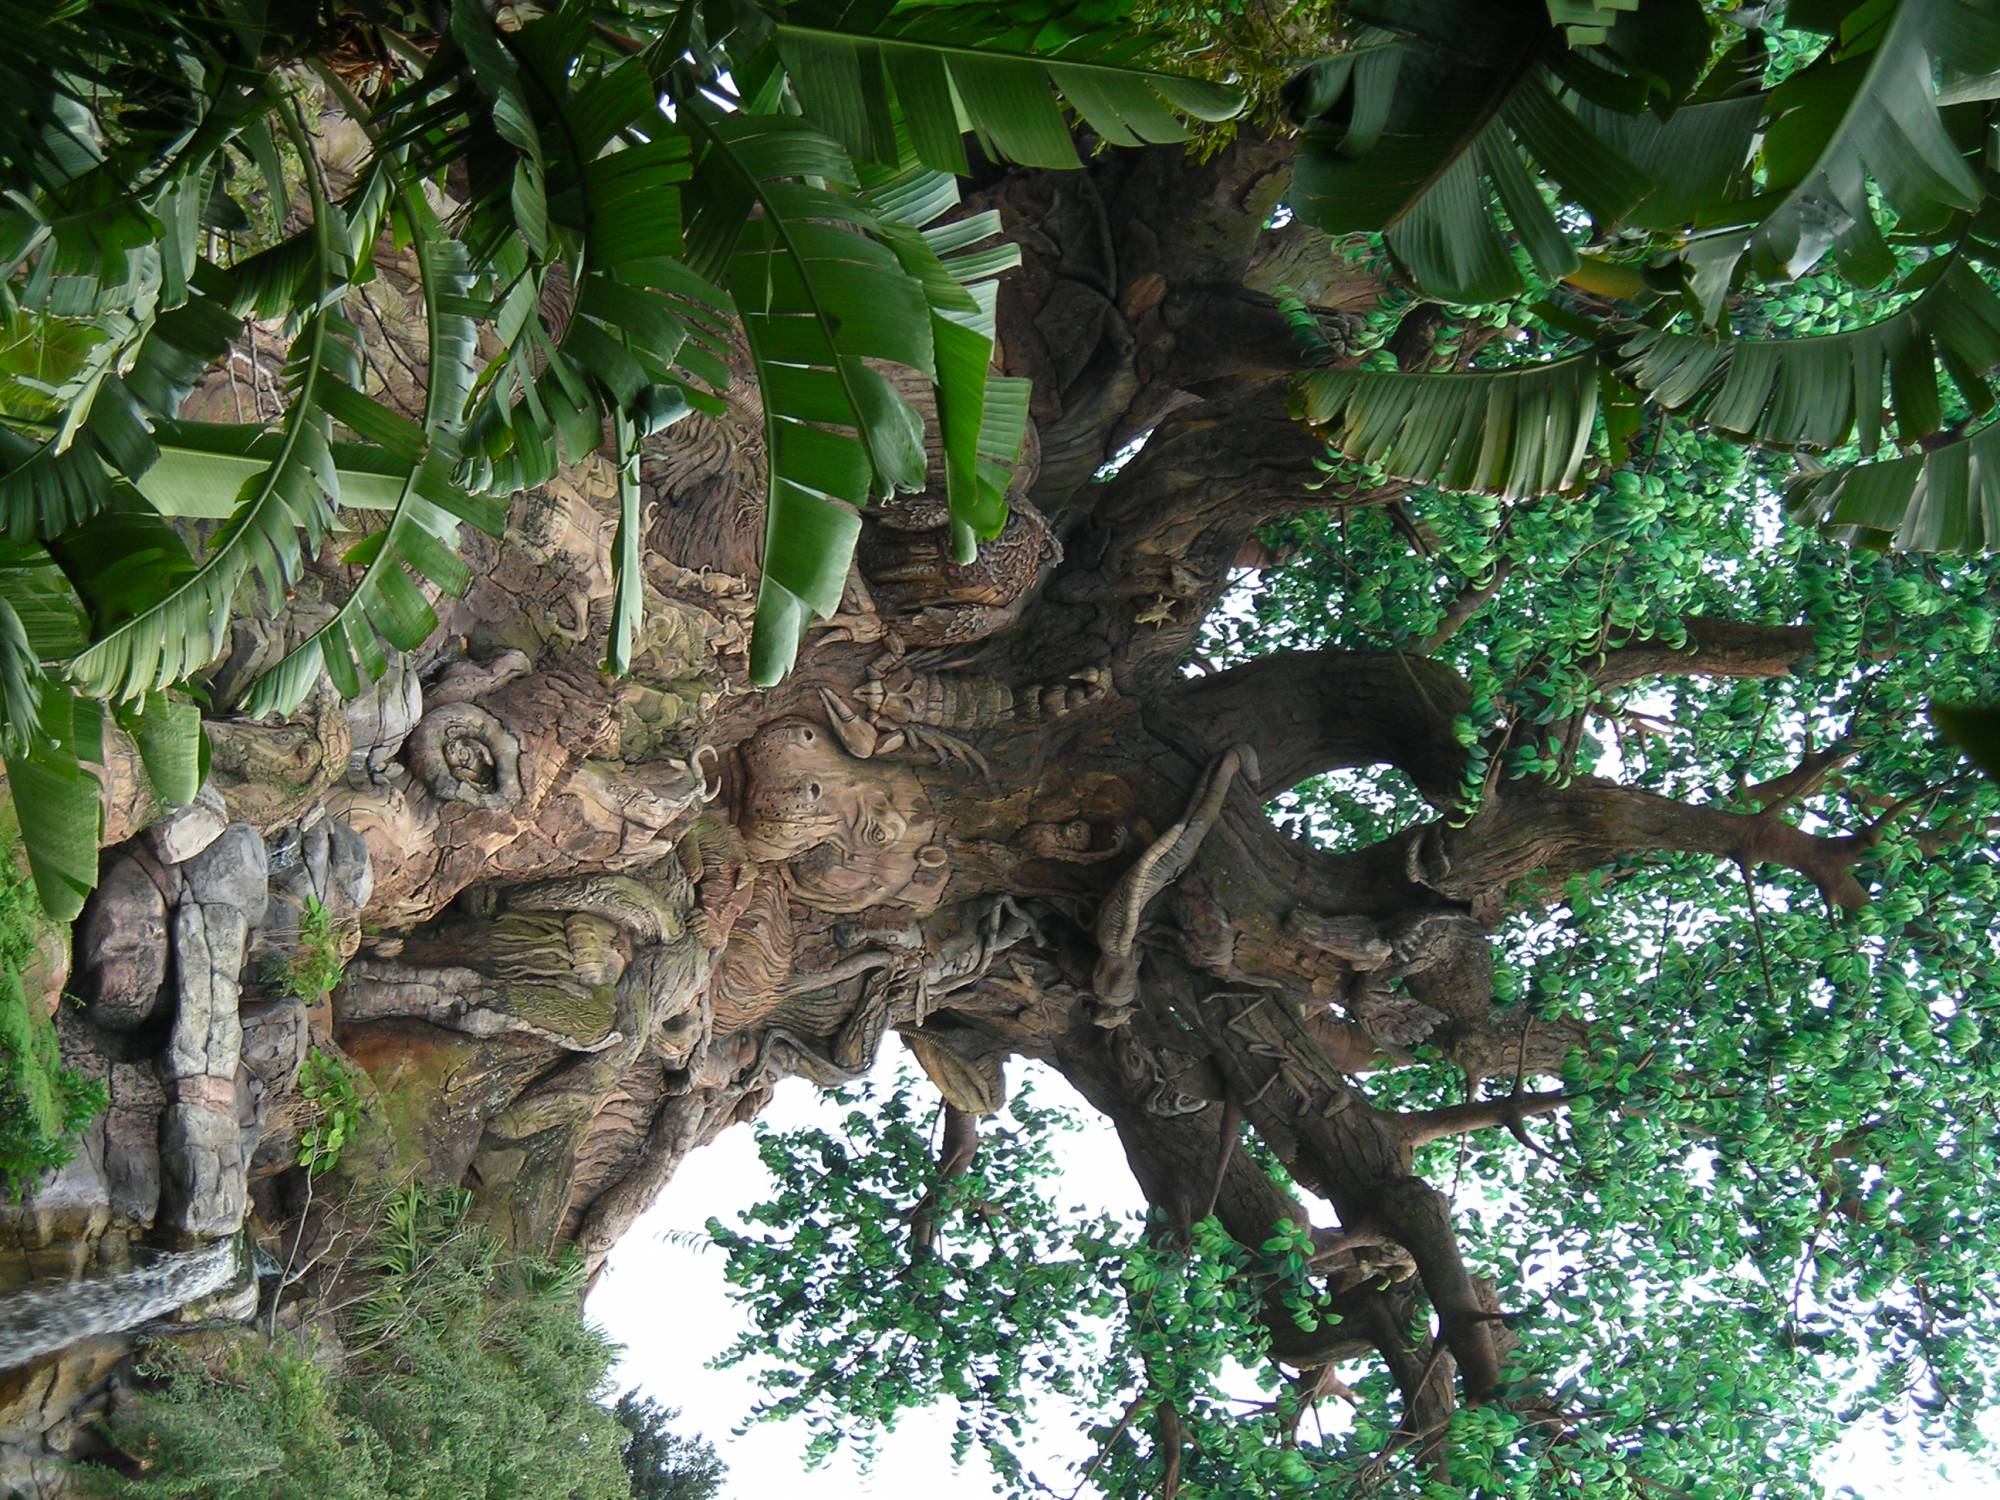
[123,941]
[233,871]
[204,1171]
[186,832]
[274,1042]
[350,877]
[132,1142]
[207,1037]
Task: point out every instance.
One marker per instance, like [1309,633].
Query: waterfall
[49,1315]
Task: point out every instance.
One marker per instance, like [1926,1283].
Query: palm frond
[1405,136]
[860,69]
[957,279]
[820,295]
[1818,391]
[185,625]
[423,527]
[1512,433]
[1867,112]
[1944,500]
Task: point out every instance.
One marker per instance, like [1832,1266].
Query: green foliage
[326,1086]
[1017,1308]
[314,966]
[827,1271]
[44,1107]
[664,1464]
[1773,1188]
[1653,191]
[146,190]
[468,1376]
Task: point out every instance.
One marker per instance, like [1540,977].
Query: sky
[663,1297]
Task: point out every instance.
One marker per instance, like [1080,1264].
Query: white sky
[668,1304]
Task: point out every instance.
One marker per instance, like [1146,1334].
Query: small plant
[327,1087]
[315,965]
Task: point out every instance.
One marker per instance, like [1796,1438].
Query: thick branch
[1311,711]
[1150,562]
[955,1152]
[1550,833]
[1715,648]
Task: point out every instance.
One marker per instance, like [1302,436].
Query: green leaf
[628,600]
[822,285]
[423,526]
[1432,148]
[185,624]
[1944,500]
[57,804]
[1818,391]
[856,69]
[1867,112]
[169,736]
[1511,433]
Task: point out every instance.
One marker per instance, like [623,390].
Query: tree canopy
[1595,1091]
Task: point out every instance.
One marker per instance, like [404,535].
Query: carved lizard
[1116,979]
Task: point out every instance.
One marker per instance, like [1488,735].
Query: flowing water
[46,1316]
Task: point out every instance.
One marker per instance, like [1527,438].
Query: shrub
[469,1375]
[315,964]
[44,1106]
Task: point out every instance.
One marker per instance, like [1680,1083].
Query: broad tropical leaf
[57,474]
[957,280]
[423,527]
[820,295]
[1408,138]
[1867,111]
[1817,392]
[861,69]
[185,626]
[1511,433]
[1944,500]
[56,801]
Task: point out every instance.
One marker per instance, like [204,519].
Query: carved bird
[906,557]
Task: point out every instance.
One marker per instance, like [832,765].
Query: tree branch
[960,1143]
[1425,1126]
[1307,712]
[1715,648]
[1471,599]
[1550,833]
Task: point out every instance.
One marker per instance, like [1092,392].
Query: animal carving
[853,838]
[1069,842]
[1165,860]
[929,598]
[905,712]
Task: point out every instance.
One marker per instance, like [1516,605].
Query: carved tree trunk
[988,812]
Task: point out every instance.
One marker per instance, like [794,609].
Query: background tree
[1624,843]
[664,1464]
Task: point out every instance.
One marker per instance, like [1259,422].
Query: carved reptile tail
[1165,860]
